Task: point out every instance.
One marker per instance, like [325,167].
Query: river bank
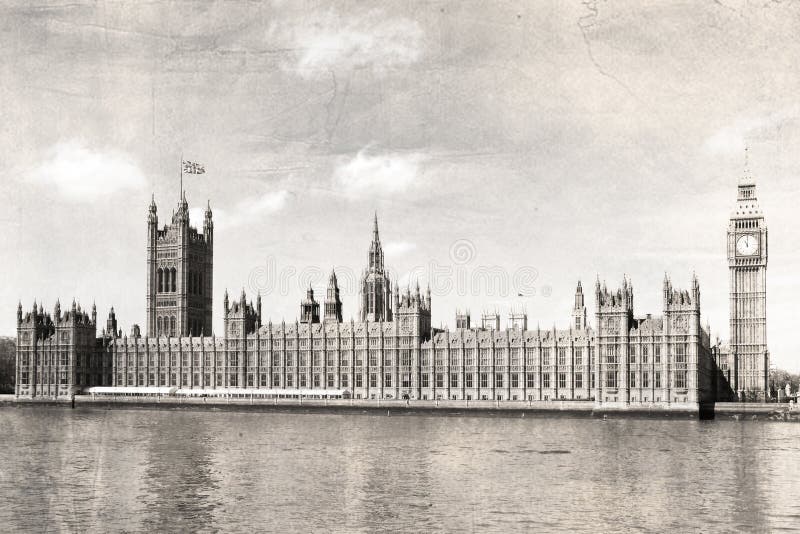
[578,409]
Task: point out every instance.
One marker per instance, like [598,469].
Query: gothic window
[498,380]
[172,328]
[680,354]
[611,379]
[546,356]
[387,382]
[530,380]
[579,380]
[160,283]
[159,326]
[173,275]
[514,380]
[611,355]
[546,380]
[680,379]
[562,380]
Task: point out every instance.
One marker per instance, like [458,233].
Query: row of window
[167,281]
[62,378]
[439,380]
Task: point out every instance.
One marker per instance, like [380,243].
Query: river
[97,470]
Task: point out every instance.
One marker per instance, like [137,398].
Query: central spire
[376,289]
[375,249]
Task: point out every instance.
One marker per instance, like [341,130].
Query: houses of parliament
[392,351]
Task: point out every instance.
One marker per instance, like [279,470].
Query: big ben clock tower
[747,262]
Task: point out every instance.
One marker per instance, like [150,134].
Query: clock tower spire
[747,263]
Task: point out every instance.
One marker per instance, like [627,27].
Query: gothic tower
[333,305]
[376,290]
[179,274]
[614,319]
[747,262]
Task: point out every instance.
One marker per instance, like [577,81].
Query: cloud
[247,211]
[734,138]
[381,173]
[370,40]
[81,174]
[398,248]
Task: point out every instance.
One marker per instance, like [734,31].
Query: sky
[509,149]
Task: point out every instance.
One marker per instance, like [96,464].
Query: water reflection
[153,471]
[179,486]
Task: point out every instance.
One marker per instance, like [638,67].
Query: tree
[8,364]
[778,378]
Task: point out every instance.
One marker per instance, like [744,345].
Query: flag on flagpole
[192,167]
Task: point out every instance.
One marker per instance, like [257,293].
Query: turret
[111,323]
[208,225]
[19,312]
[309,308]
[225,303]
[94,313]
[152,215]
[333,305]
[695,289]
[579,309]
[258,308]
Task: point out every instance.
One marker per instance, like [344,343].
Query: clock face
[747,245]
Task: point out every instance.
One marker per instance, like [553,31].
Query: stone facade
[392,352]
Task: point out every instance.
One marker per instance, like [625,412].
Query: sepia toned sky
[508,148]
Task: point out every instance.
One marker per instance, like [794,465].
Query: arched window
[160,284]
[199,283]
[159,326]
[174,285]
[172,324]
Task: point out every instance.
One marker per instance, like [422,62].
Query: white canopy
[261,391]
[131,390]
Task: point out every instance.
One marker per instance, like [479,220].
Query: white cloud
[82,174]
[398,248]
[244,212]
[734,138]
[371,40]
[382,173]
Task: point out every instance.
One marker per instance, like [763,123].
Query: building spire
[747,176]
